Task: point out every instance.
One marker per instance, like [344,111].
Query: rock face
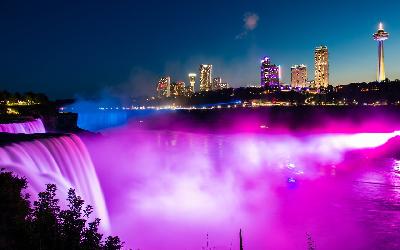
[61,122]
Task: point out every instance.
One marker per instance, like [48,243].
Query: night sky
[70,48]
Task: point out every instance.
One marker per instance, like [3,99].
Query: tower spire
[381,36]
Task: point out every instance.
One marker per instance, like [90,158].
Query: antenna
[241,239]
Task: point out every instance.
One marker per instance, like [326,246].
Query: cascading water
[176,187]
[62,160]
[28,127]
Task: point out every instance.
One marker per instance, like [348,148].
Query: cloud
[250,23]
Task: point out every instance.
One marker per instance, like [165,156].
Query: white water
[63,161]
[29,127]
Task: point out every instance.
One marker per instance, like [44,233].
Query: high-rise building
[205,77]
[299,76]
[164,87]
[188,91]
[270,73]
[178,88]
[321,60]
[381,36]
[216,83]
[192,82]
[223,85]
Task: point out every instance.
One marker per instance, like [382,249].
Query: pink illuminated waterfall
[28,127]
[62,160]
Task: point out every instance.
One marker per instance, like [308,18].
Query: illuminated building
[380,36]
[299,76]
[223,85]
[178,89]
[270,73]
[192,82]
[188,91]
[164,87]
[205,77]
[321,67]
[218,84]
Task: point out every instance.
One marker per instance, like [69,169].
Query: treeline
[43,225]
[29,97]
[387,92]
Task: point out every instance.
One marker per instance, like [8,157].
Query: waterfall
[62,160]
[28,127]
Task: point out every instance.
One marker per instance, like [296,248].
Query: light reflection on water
[179,186]
[377,197]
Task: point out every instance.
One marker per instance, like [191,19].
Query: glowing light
[280,71]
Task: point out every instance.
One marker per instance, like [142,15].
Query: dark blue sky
[64,48]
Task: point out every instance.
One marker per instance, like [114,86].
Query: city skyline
[271,74]
[71,51]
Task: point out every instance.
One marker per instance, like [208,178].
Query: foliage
[45,225]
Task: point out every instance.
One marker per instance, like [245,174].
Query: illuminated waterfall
[28,127]
[62,160]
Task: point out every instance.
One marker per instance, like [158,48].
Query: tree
[113,243]
[91,237]
[46,226]
[72,222]
[14,210]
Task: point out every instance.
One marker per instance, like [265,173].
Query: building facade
[205,77]
[178,89]
[299,76]
[321,60]
[164,87]
[192,83]
[218,84]
[270,73]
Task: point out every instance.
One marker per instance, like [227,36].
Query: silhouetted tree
[91,237]
[14,211]
[45,220]
[46,226]
[113,243]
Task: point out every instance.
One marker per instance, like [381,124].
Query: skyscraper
[321,67]
[216,82]
[299,76]
[270,73]
[381,36]
[205,77]
[164,87]
[177,88]
[192,82]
